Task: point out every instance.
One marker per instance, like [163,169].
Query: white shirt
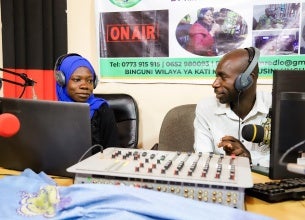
[214,120]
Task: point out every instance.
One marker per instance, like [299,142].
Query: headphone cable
[239,119]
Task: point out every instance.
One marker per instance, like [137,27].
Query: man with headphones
[219,119]
[75,81]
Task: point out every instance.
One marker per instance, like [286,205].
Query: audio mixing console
[205,177]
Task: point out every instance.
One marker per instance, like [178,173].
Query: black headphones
[244,80]
[60,76]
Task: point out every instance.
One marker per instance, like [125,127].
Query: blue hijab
[67,67]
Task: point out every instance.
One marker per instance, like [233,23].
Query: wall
[154,100]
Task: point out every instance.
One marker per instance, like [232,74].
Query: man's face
[80,85]
[223,85]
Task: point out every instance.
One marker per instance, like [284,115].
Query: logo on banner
[125,3]
[132,33]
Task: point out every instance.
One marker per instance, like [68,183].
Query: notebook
[52,136]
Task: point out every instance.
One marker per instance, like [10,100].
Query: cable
[23,90]
[288,151]
[90,148]
[239,93]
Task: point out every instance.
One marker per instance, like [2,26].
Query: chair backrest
[126,114]
[177,129]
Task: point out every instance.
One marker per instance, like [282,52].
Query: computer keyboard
[278,190]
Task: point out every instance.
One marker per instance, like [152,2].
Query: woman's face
[208,18]
[80,85]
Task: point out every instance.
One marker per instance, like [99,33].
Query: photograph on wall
[276,28]
[134,34]
[213,32]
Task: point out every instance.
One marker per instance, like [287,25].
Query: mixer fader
[205,177]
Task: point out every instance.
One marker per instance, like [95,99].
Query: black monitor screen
[288,120]
[52,136]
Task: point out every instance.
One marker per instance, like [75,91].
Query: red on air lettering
[132,33]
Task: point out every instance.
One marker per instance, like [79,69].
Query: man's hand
[231,145]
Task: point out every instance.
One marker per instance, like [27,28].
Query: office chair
[177,130]
[126,114]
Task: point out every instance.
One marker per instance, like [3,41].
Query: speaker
[60,76]
[244,80]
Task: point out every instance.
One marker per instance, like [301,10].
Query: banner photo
[181,41]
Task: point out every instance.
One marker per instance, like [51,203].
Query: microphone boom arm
[27,80]
[13,82]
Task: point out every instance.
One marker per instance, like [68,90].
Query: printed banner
[181,41]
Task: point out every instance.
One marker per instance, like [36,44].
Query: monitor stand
[260,169]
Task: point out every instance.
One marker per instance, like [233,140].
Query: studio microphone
[256,133]
[9,125]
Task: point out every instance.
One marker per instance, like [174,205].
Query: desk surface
[61,181]
[289,210]
[294,210]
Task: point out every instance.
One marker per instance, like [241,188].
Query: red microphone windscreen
[9,125]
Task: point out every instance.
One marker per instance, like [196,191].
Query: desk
[61,181]
[290,210]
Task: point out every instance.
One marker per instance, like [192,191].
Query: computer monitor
[52,136]
[288,120]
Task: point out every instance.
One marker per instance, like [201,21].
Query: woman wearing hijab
[75,81]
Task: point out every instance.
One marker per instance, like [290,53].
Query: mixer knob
[219,200]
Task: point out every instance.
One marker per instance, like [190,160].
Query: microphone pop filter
[9,125]
[253,133]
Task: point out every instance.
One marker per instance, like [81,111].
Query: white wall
[154,100]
